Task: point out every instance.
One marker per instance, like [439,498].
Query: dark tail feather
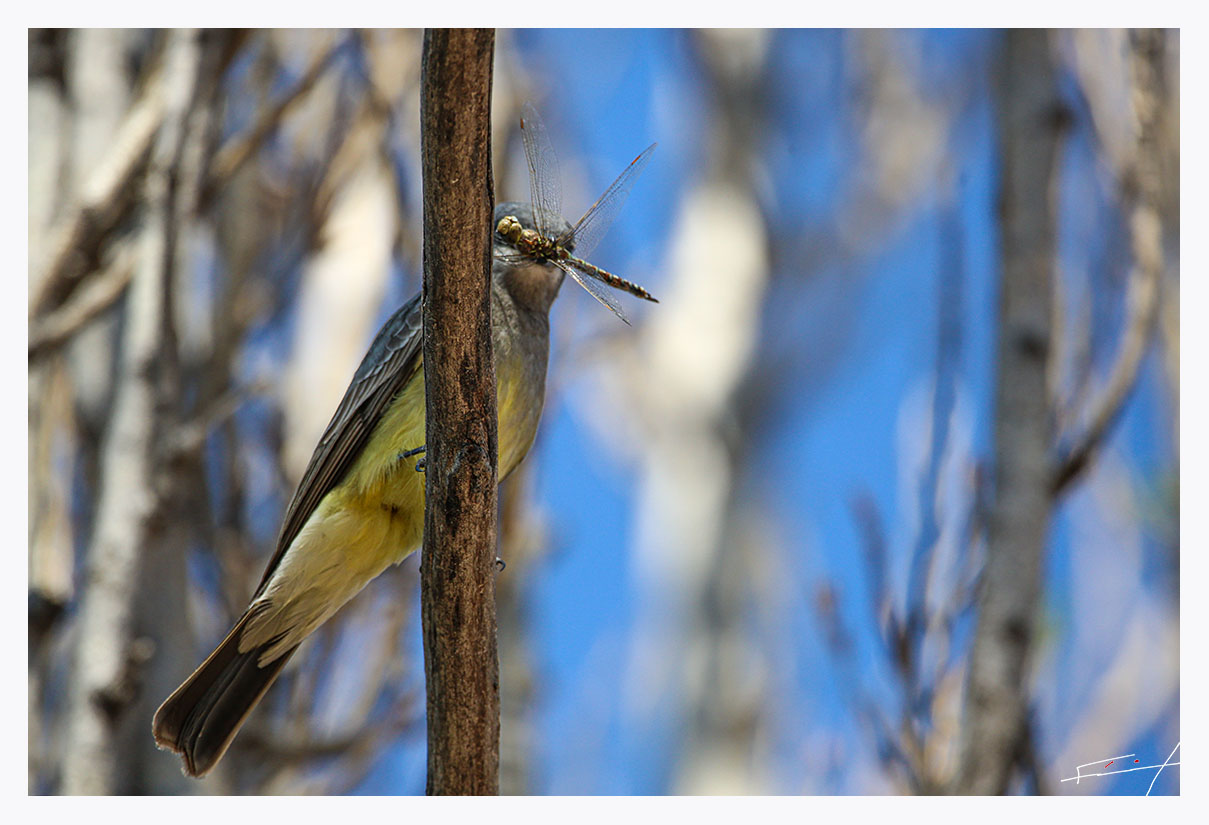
[202,716]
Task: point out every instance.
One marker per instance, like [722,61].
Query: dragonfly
[545,190]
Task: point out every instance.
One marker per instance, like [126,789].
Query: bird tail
[202,716]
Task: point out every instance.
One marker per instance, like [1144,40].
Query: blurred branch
[50,331]
[899,751]
[1030,119]
[107,196]
[353,754]
[307,747]
[1031,760]
[917,621]
[688,373]
[902,641]
[110,192]
[1143,185]
[873,544]
[522,541]
[191,434]
[231,157]
[129,499]
[927,617]
[294,741]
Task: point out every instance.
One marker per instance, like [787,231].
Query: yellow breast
[382,485]
[375,517]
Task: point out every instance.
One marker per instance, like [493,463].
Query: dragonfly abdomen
[607,277]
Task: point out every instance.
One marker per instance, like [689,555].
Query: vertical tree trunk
[457,570]
[724,684]
[107,656]
[996,712]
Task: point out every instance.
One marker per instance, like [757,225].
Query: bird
[359,507]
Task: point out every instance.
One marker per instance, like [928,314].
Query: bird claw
[422,463]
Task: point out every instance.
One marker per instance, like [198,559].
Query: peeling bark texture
[1030,119]
[457,575]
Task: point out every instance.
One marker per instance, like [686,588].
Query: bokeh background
[745,554]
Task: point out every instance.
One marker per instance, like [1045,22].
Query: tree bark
[457,571]
[1030,120]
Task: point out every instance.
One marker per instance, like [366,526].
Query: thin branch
[457,576]
[54,329]
[231,157]
[382,712]
[280,748]
[1146,239]
[192,433]
[109,193]
[105,199]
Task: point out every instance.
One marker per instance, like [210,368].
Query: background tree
[755,546]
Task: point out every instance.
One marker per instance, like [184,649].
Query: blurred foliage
[743,556]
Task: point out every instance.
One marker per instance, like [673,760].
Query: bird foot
[422,464]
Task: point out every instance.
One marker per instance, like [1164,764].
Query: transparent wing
[545,186]
[517,258]
[596,221]
[593,290]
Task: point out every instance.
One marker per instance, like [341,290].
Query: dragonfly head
[510,229]
[531,281]
[525,240]
[514,224]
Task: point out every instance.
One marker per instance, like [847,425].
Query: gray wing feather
[393,358]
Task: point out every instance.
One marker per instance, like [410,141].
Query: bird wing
[393,358]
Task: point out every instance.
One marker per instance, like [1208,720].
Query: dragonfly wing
[596,292]
[514,258]
[545,186]
[586,234]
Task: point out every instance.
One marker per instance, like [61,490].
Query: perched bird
[360,505]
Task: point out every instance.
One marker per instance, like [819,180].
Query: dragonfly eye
[509,227]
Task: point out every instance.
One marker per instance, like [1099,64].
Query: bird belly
[375,516]
[518,395]
[370,520]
